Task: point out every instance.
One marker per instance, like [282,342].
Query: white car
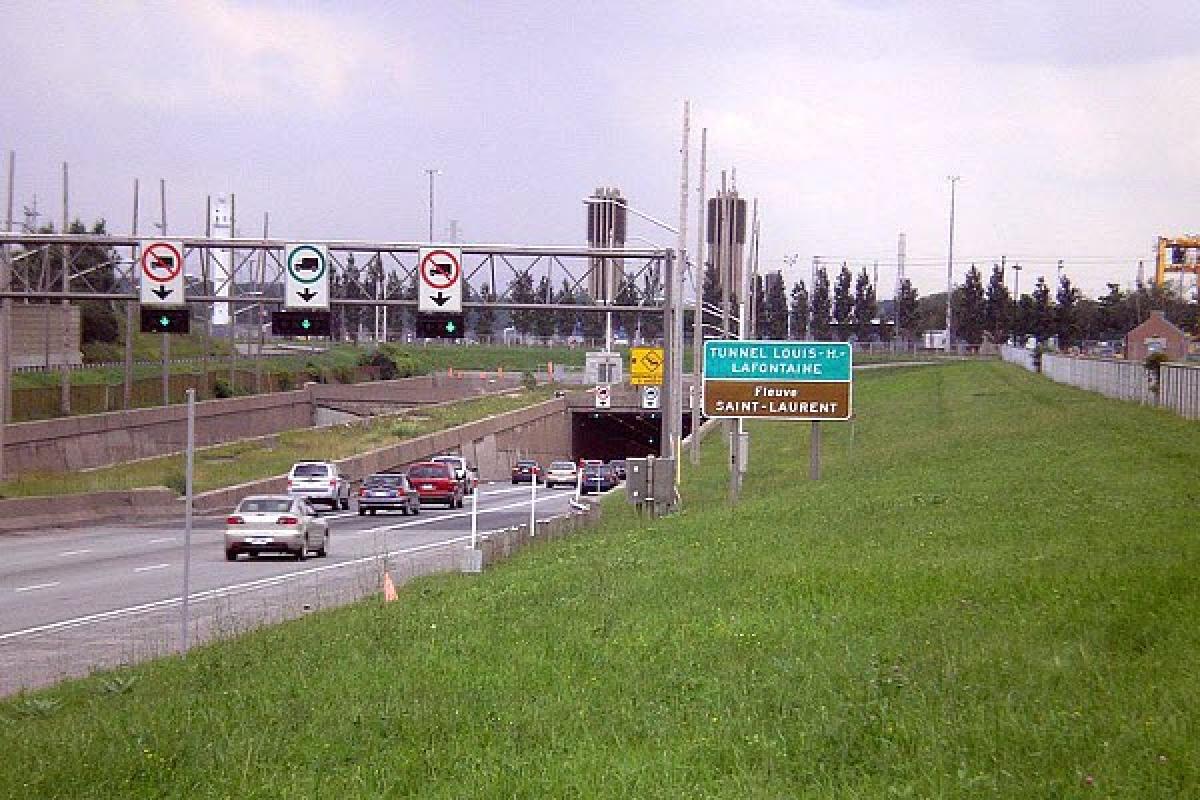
[562,473]
[319,482]
[275,523]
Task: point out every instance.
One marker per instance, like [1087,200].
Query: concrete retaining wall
[492,444]
[34,514]
[95,440]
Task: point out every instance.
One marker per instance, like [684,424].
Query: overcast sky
[1072,124]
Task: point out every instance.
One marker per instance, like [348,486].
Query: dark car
[526,470]
[436,482]
[388,491]
[618,467]
[599,478]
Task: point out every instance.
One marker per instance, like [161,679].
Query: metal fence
[1019,356]
[1120,380]
[1177,389]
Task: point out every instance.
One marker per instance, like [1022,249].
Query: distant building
[1156,335]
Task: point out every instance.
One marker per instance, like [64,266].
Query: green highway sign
[777,380]
[780,361]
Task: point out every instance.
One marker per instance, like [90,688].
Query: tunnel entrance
[618,434]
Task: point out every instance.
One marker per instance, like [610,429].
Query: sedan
[561,473]
[435,482]
[275,524]
[526,470]
[599,478]
[388,490]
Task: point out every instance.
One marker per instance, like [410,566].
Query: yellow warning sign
[646,365]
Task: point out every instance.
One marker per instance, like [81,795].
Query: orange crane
[1171,256]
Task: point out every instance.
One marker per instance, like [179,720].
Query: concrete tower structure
[220,262]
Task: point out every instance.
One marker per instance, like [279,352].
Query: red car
[436,482]
[526,470]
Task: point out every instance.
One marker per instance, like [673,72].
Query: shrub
[528,380]
[222,389]
[383,361]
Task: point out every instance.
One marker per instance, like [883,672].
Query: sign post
[778,380]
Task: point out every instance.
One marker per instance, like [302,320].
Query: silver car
[275,523]
[562,473]
[319,482]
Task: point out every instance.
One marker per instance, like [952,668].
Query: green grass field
[991,593]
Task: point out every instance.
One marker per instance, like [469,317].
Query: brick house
[1156,335]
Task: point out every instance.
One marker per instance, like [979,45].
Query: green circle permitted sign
[306,264]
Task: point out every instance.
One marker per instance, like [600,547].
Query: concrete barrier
[35,514]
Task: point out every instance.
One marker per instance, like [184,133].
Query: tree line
[848,308]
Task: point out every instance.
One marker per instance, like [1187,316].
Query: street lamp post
[954,179]
[431,173]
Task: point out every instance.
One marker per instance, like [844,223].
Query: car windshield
[562,465]
[526,464]
[427,471]
[385,480]
[265,505]
[310,470]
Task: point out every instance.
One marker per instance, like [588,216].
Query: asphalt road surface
[72,601]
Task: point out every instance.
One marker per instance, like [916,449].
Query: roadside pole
[698,290]
[533,504]
[475,518]
[5,314]
[130,310]
[675,365]
[187,514]
[166,337]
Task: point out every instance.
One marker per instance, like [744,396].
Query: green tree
[970,308]
[1066,313]
[485,317]
[997,306]
[1043,313]
[543,321]
[865,306]
[1114,319]
[774,308]
[798,312]
[520,290]
[907,310]
[843,302]
[821,304]
[565,321]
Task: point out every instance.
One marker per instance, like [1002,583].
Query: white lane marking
[75,552]
[161,540]
[37,586]
[262,583]
[152,566]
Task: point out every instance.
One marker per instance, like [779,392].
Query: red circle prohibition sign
[161,262]
[439,274]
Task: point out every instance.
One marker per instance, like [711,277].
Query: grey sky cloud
[1066,120]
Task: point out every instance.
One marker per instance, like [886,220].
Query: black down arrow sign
[307,294]
[440,299]
[162,292]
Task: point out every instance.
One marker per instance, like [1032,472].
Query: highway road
[75,600]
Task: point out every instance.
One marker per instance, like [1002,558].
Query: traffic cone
[389,588]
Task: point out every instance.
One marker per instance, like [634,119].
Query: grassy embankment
[239,462]
[992,593]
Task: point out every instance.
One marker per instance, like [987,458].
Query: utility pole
[205,272]
[431,172]
[262,282]
[698,288]
[233,270]
[67,340]
[166,337]
[675,396]
[954,179]
[6,315]
[134,269]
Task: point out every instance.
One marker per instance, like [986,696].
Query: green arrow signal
[305,323]
[164,322]
[449,326]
